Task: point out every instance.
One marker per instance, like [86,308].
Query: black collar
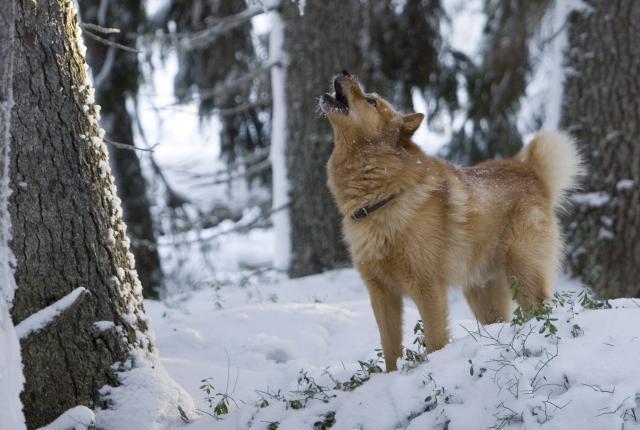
[367,210]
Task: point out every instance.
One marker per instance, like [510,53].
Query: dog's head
[359,117]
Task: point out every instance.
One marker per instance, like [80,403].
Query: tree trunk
[317,45]
[600,108]
[67,221]
[115,73]
[11,377]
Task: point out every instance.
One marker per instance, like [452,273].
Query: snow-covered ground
[251,338]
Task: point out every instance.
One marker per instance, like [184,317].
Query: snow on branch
[46,316]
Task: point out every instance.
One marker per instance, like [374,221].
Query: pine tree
[69,237]
[497,84]
[316,45]
[212,65]
[600,108]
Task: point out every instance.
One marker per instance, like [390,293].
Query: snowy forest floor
[296,354]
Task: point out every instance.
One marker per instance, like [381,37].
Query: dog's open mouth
[338,101]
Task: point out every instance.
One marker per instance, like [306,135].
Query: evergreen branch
[224,25]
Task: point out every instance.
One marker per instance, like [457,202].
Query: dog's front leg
[387,308]
[433,307]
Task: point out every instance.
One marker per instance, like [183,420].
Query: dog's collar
[365,211]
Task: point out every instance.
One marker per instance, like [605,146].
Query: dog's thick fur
[484,228]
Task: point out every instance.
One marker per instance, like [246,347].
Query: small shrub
[218,402]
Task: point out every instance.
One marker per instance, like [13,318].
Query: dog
[417,225]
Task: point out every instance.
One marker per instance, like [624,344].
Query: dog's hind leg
[530,278]
[490,303]
[387,308]
[532,244]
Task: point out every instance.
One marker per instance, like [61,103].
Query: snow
[254,337]
[104,325]
[463,31]
[45,316]
[625,184]
[594,199]
[148,398]
[280,217]
[11,377]
[546,87]
[77,418]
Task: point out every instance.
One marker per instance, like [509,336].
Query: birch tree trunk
[116,73]
[68,228]
[601,109]
[11,377]
[317,45]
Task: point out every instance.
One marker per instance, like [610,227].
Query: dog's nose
[345,73]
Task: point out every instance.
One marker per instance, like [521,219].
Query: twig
[550,357]
[110,42]
[126,146]
[599,389]
[98,28]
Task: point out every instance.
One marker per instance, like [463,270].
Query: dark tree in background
[601,109]
[68,231]
[315,44]
[116,77]
[496,86]
[401,49]
[221,69]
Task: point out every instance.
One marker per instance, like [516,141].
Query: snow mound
[302,353]
[570,367]
[146,399]
[78,418]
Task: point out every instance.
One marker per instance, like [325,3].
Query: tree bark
[317,45]
[601,109]
[116,73]
[67,221]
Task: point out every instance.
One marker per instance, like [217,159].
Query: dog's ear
[411,122]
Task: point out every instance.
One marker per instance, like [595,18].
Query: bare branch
[98,28]
[126,146]
[110,42]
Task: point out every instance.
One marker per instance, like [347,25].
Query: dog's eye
[372,101]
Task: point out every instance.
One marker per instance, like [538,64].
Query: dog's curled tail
[556,160]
